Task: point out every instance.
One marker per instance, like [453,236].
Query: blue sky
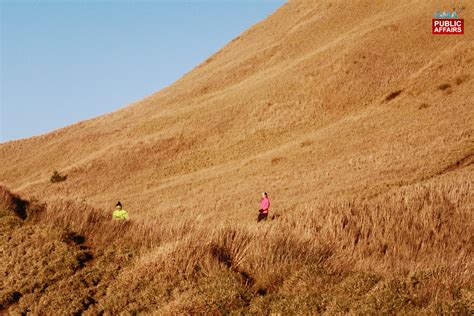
[66,61]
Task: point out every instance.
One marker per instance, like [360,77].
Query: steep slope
[322,100]
[356,120]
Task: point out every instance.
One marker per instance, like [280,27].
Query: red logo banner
[447,26]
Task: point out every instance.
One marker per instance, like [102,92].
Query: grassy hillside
[352,116]
[299,106]
[408,251]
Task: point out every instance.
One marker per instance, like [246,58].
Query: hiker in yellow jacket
[120,213]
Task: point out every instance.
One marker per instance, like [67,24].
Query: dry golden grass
[315,73]
[355,119]
[408,251]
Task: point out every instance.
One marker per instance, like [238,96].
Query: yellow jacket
[120,214]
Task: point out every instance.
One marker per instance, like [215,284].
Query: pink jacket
[265,204]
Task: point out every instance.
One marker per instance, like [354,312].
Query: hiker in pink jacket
[264,206]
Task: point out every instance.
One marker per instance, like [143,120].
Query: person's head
[264,194]
[118,205]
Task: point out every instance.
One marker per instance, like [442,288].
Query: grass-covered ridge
[406,251]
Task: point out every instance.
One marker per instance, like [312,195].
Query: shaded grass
[444,86]
[393,95]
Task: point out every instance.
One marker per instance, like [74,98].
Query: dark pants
[262,216]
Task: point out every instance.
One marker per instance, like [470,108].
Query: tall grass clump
[57,177]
